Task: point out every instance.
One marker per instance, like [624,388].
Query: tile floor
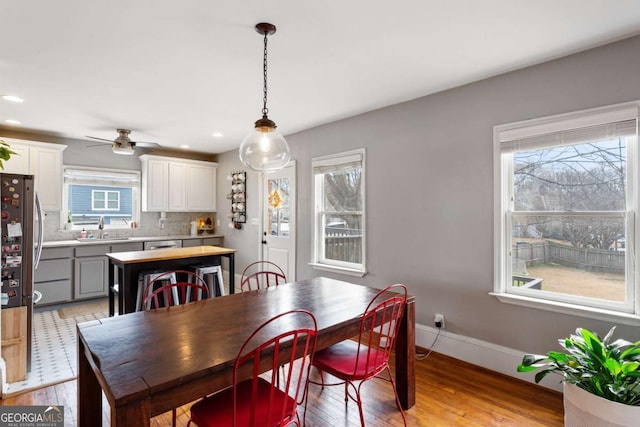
[54,354]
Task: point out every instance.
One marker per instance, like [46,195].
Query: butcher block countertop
[168,253]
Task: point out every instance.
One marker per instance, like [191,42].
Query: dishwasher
[161,244]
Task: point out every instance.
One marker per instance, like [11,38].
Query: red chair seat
[217,410]
[343,360]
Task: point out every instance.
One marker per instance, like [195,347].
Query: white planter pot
[582,409]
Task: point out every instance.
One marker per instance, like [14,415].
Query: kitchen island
[130,264]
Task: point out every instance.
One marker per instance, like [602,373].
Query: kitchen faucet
[101,228]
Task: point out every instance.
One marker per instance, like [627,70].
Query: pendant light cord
[265,110]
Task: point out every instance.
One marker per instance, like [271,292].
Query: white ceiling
[176,71]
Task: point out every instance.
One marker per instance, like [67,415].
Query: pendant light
[265,149]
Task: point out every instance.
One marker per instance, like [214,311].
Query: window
[279,207]
[105,200]
[565,215]
[91,193]
[339,189]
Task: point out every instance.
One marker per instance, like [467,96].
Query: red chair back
[274,344]
[375,343]
[261,274]
[168,294]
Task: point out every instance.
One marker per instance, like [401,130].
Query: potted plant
[5,153]
[601,378]
[69,221]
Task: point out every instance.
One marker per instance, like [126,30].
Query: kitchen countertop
[116,240]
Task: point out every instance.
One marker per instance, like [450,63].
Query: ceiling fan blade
[97,145]
[99,139]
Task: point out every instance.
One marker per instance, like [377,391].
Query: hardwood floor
[449,392]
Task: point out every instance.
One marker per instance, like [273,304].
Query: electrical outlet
[439,320]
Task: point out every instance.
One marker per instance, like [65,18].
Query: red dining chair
[194,288]
[289,337]
[358,361]
[261,274]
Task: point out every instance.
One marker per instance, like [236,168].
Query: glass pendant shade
[264,149]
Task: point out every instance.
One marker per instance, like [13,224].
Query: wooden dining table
[150,362]
[128,265]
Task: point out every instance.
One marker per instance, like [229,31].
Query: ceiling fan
[123,144]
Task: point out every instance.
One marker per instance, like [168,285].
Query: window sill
[572,309]
[341,270]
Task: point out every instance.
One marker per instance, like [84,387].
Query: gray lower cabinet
[91,278]
[53,276]
[91,271]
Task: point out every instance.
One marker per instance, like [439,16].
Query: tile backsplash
[176,223]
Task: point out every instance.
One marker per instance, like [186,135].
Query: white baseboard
[491,356]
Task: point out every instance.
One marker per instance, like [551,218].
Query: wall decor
[238,197]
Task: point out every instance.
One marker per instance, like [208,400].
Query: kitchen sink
[104,239]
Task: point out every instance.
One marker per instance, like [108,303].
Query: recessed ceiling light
[13,122]
[185,146]
[217,135]
[12,98]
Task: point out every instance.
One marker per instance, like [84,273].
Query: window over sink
[91,193]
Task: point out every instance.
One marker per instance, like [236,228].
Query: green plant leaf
[614,366]
[629,367]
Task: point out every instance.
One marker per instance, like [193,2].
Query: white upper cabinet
[155,184]
[178,185]
[44,161]
[201,187]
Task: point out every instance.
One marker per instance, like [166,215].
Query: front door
[279,219]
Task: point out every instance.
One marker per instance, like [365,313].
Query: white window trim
[317,260]
[523,129]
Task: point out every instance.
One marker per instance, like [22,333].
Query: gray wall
[430,190]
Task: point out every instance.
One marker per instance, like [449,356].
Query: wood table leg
[89,392]
[134,415]
[406,357]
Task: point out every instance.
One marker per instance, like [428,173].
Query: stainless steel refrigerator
[21,244]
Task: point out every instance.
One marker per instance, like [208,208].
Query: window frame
[506,134]
[135,186]
[106,200]
[317,251]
